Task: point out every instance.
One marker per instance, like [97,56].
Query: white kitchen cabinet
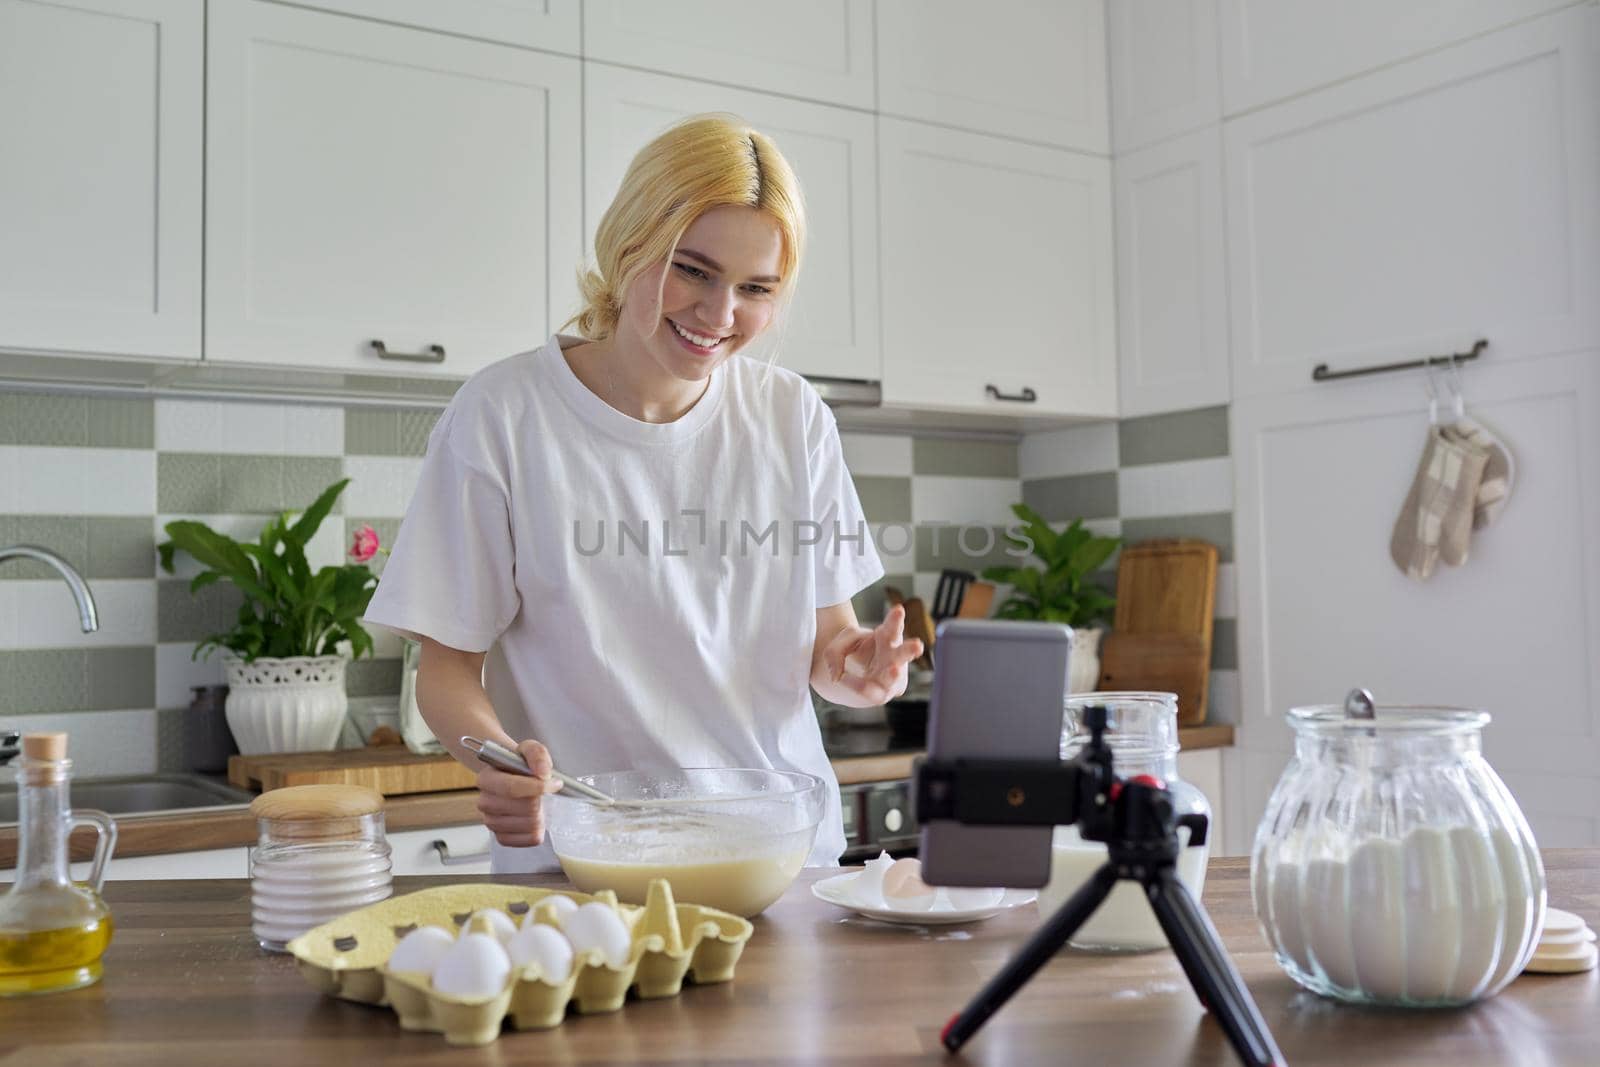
[367,182]
[1172,296]
[997,275]
[413,851]
[1272,49]
[1033,70]
[812,51]
[207,863]
[834,329]
[1415,210]
[100,119]
[1515,630]
[1164,76]
[551,25]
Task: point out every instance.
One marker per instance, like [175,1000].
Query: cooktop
[843,742]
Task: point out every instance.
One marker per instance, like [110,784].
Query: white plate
[835,891]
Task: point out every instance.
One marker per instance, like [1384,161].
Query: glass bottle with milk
[1143,736]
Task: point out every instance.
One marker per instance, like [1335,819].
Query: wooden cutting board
[1169,589]
[1158,663]
[392,770]
[977,602]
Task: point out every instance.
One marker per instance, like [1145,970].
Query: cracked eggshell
[475,967]
[867,889]
[420,950]
[598,926]
[546,948]
[904,889]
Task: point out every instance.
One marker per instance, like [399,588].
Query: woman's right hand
[510,804]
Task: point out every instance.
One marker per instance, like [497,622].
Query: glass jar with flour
[1143,736]
[1392,865]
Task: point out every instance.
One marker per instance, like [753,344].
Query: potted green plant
[1061,590]
[285,654]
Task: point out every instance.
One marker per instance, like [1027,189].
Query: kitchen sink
[140,793]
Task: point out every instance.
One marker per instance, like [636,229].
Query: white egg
[420,950]
[597,925]
[866,890]
[972,899]
[545,947]
[500,924]
[475,966]
[564,906]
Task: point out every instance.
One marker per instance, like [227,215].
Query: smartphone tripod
[1136,821]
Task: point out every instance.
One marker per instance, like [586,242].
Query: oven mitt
[1499,474]
[1435,521]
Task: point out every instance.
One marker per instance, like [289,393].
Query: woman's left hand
[872,663]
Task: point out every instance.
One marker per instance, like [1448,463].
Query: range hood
[848,392]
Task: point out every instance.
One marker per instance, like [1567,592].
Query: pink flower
[365,546]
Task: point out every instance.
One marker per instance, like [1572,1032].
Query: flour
[1440,916]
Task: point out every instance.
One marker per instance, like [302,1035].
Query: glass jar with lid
[1142,732]
[321,851]
[1392,865]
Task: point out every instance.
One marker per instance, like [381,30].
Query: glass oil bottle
[52,931]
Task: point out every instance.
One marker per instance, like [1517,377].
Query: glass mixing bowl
[736,847]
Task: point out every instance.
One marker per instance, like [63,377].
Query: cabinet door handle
[442,847]
[1027,396]
[434,354]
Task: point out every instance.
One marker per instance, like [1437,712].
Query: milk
[1124,920]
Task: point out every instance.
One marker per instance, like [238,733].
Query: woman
[637,548]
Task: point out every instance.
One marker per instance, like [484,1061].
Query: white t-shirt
[646,592]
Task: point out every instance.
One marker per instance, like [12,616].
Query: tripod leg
[1210,971]
[1045,942]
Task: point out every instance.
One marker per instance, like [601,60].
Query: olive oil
[49,961]
[52,931]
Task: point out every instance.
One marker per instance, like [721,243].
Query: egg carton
[348,957]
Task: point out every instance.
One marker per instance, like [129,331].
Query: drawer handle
[1027,396]
[434,354]
[443,849]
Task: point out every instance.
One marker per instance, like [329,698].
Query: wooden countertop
[185,983]
[229,827]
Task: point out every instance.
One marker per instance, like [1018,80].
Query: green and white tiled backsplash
[95,478]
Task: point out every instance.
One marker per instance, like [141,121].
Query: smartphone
[998,692]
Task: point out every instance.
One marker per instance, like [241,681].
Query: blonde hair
[702,162]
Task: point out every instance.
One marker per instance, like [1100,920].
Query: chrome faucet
[80,588]
[87,616]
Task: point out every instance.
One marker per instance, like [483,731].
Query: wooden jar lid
[315,803]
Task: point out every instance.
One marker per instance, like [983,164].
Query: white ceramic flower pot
[1083,669]
[294,704]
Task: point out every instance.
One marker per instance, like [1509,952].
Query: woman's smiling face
[720,293]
